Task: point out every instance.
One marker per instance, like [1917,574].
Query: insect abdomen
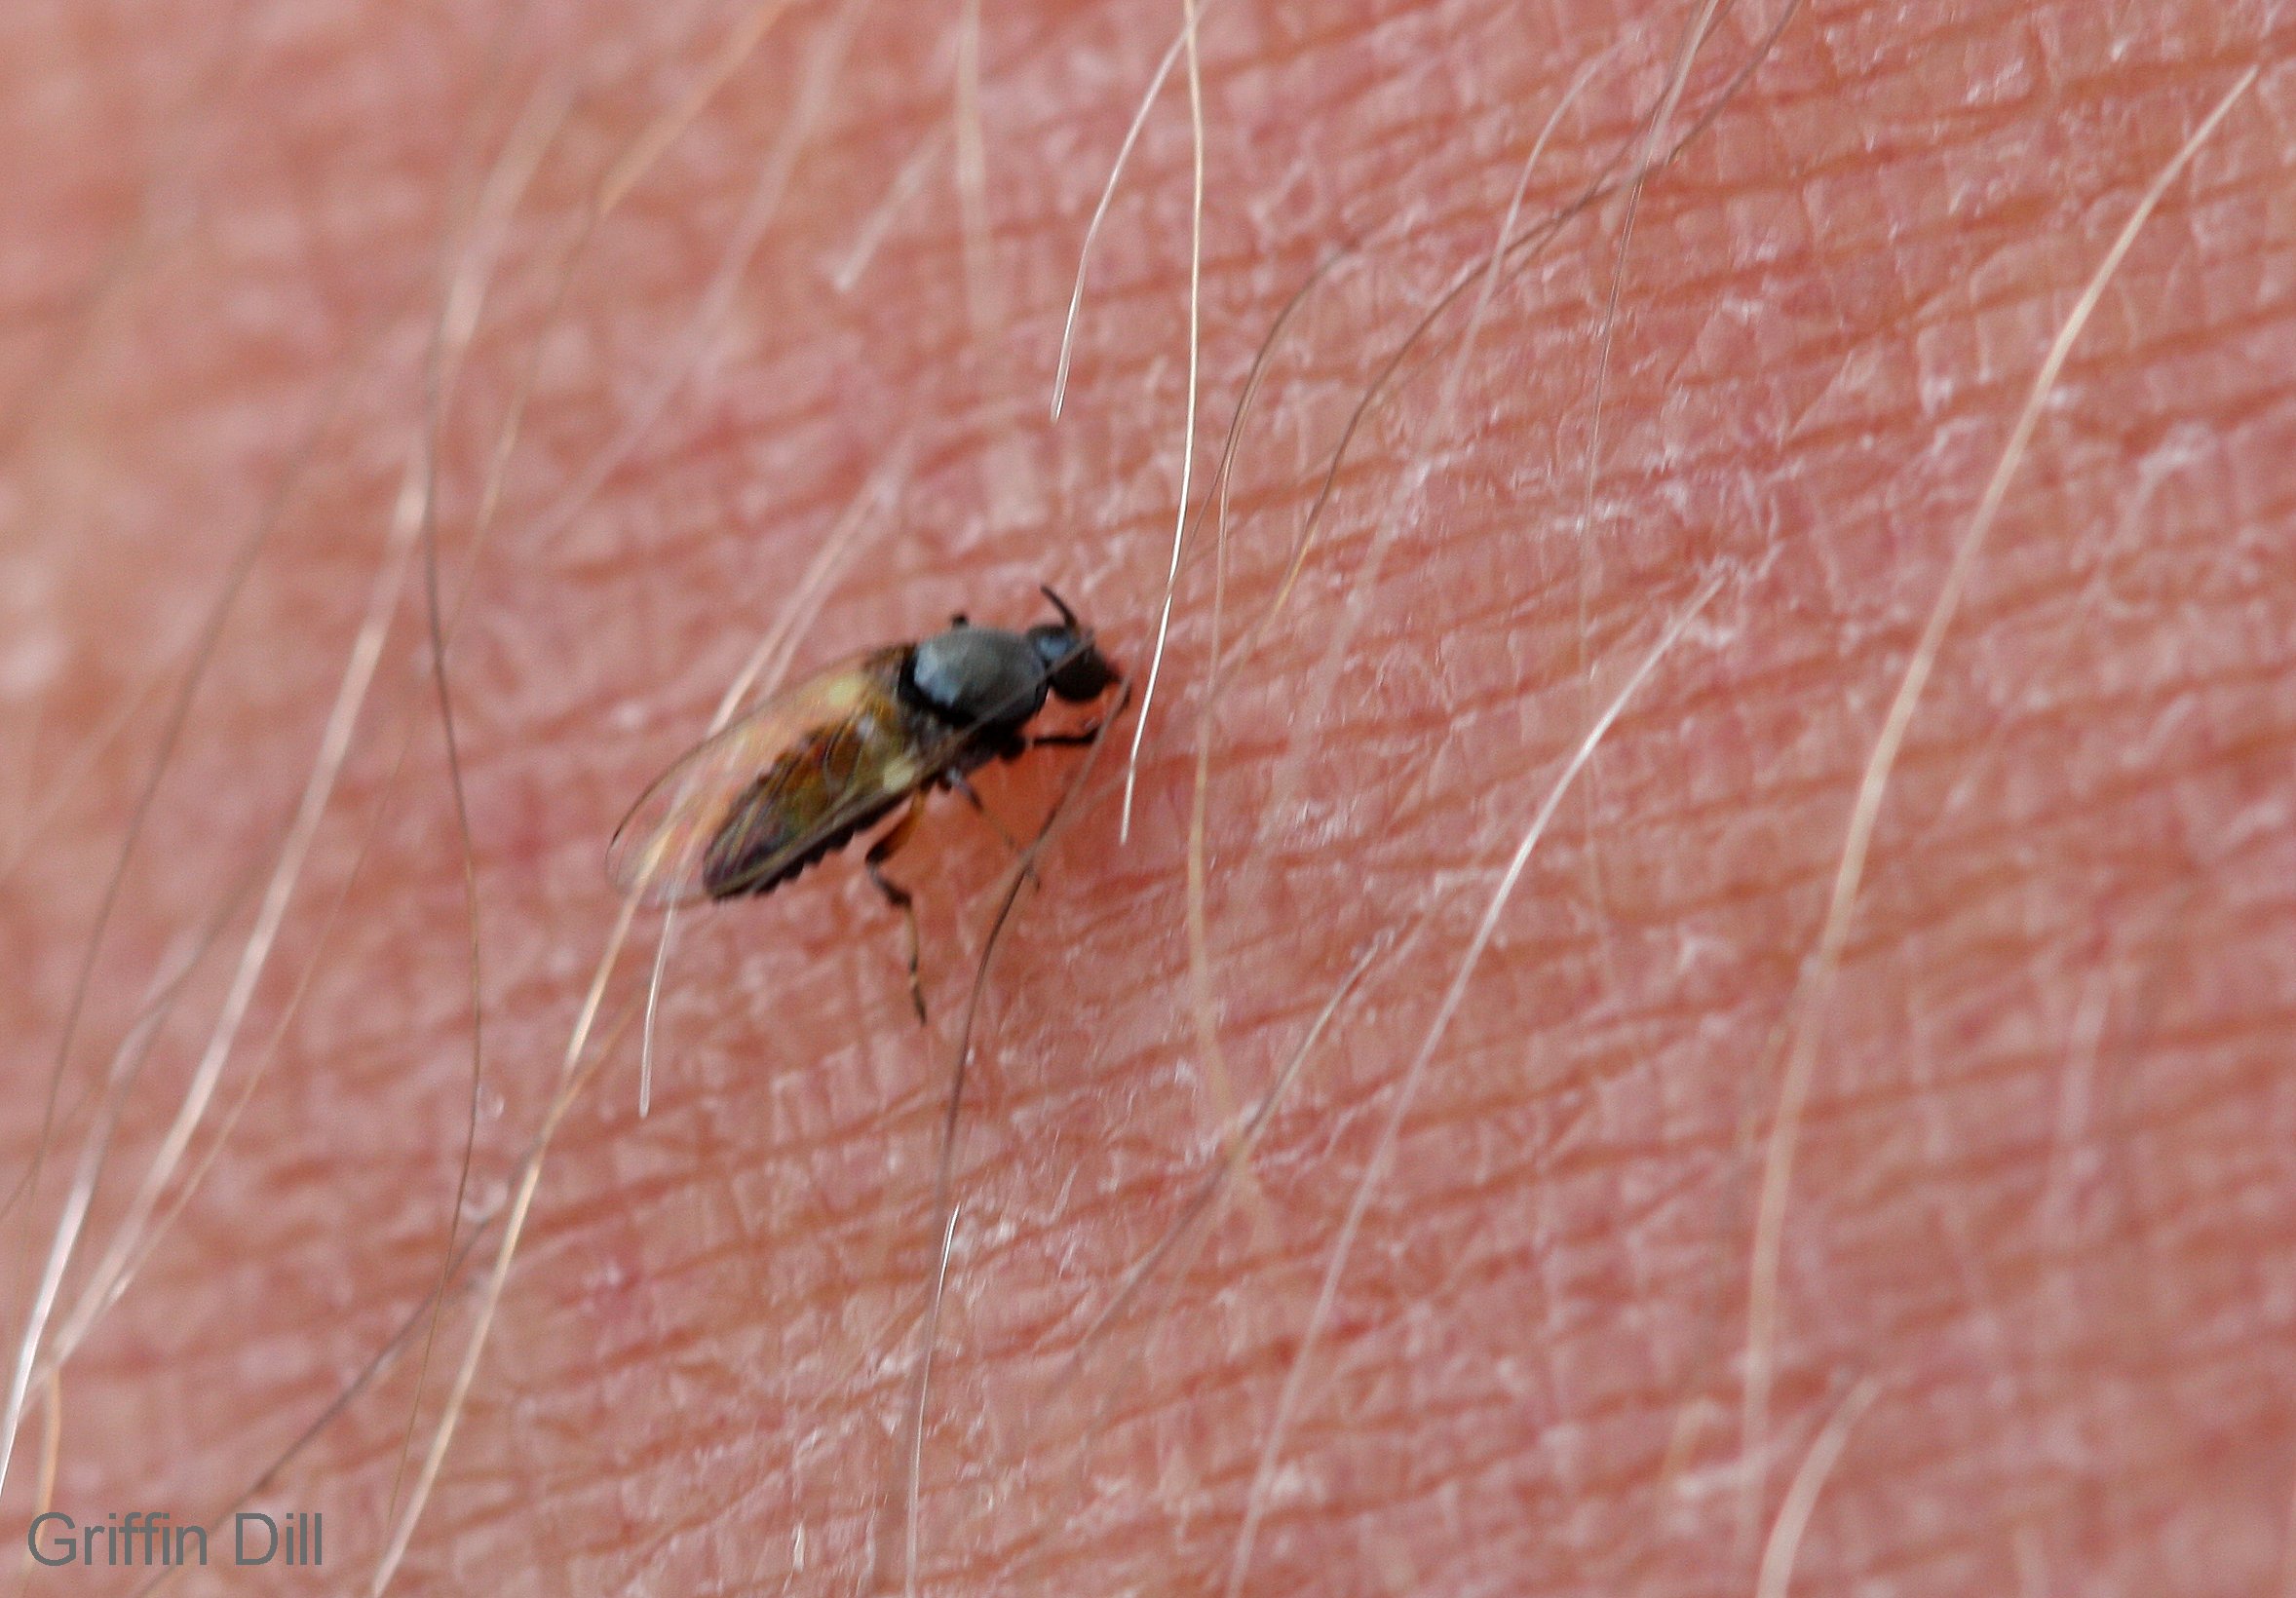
[820,791]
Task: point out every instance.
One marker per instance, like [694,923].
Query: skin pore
[672,329]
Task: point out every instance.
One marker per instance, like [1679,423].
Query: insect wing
[810,760]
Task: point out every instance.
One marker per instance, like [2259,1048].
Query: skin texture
[2034,1290]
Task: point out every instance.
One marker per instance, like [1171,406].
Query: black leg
[883,849]
[957,780]
[1085,735]
[1067,741]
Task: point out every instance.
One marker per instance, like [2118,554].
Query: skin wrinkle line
[1818,980]
[2125,538]
[1723,99]
[1375,1169]
[656,138]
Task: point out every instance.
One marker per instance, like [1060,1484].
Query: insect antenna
[1067,617]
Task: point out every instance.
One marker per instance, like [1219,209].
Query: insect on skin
[799,776]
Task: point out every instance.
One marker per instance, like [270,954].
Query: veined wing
[761,798]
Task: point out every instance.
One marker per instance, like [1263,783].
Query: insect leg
[1083,734]
[957,780]
[883,849]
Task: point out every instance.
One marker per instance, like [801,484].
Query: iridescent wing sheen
[770,793]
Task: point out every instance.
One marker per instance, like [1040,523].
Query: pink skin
[2034,1265]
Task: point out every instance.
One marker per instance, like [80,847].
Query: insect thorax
[978,677]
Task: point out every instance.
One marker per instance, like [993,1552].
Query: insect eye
[1074,668]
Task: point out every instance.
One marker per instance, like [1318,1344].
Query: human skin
[2030,1316]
